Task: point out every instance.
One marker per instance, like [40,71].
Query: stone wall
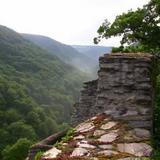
[124,89]
[87,99]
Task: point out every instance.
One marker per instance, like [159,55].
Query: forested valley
[37,93]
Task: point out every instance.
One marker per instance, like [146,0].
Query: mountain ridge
[93,51]
[66,53]
[37,89]
[84,58]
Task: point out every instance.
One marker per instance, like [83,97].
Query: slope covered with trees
[66,53]
[37,91]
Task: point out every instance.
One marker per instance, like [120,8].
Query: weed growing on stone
[38,155]
[69,135]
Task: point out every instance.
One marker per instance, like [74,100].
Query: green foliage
[38,155]
[117,49]
[21,130]
[140,27]
[37,91]
[68,135]
[156,155]
[18,151]
[129,49]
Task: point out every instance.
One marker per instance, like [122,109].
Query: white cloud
[68,21]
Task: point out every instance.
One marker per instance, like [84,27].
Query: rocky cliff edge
[102,138]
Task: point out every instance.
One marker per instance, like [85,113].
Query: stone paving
[102,138]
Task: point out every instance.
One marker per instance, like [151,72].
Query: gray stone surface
[106,146]
[99,132]
[108,125]
[84,127]
[136,149]
[109,137]
[79,137]
[85,145]
[142,133]
[124,89]
[52,153]
[83,107]
[79,152]
[134,158]
[108,152]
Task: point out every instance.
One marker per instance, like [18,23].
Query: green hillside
[37,92]
[66,53]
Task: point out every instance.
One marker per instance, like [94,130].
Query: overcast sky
[68,21]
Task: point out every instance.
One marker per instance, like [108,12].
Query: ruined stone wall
[87,99]
[124,89]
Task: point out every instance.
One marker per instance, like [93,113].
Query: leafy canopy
[18,151]
[138,28]
[37,92]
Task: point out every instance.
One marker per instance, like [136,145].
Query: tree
[11,115]
[21,130]
[4,139]
[18,151]
[138,28]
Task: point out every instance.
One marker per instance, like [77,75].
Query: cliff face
[83,108]
[116,112]
[124,89]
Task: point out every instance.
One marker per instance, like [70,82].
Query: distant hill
[93,52]
[66,53]
[37,91]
